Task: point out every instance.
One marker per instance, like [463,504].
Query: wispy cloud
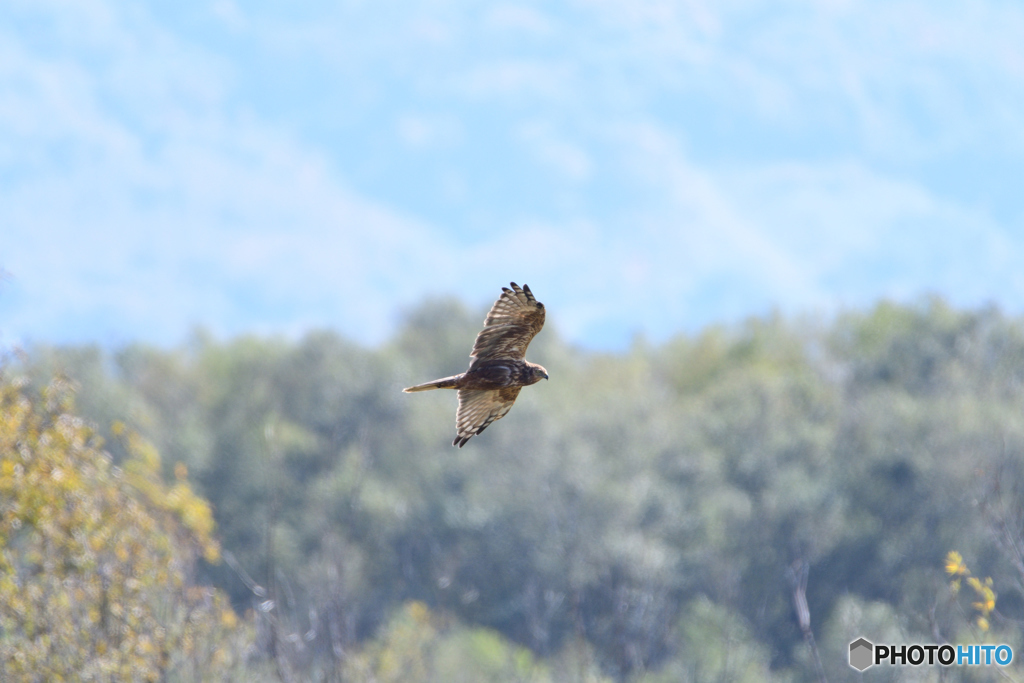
[651,165]
[142,228]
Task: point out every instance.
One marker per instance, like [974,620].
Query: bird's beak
[545,375]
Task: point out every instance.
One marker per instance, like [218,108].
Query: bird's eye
[540,305]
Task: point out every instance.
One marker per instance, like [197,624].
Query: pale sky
[646,166]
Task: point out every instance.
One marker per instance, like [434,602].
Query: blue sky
[646,166]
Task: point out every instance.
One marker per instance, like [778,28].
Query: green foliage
[625,517]
[715,647]
[95,559]
[417,646]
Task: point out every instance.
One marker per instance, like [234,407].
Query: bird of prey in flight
[497,368]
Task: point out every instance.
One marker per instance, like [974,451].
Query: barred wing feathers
[512,323]
[480,407]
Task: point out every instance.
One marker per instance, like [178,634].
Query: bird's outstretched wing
[479,408]
[513,321]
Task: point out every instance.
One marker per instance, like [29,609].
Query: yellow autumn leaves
[986,596]
[95,558]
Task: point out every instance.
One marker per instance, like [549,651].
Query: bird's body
[497,369]
[491,374]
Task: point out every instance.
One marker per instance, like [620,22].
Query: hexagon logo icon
[861,654]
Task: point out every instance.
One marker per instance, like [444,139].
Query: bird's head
[537,372]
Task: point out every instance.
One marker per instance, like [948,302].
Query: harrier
[497,369]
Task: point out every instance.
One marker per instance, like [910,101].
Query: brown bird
[497,369]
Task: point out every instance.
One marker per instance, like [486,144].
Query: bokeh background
[779,245]
[647,166]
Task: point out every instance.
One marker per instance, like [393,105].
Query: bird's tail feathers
[443,383]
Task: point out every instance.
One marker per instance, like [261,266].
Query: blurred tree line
[689,511]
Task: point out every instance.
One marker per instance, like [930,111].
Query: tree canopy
[96,558]
[639,517]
